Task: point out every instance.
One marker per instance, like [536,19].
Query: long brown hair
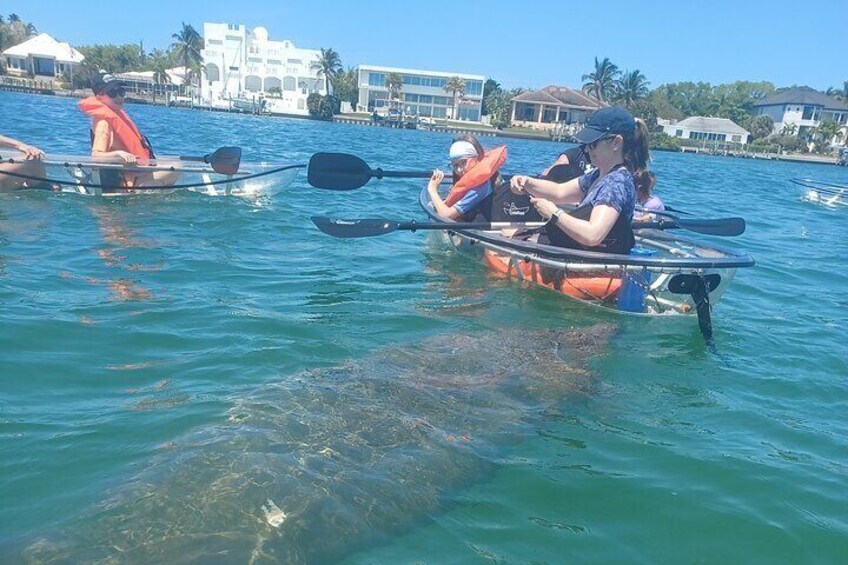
[637,152]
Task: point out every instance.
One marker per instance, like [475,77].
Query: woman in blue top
[617,145]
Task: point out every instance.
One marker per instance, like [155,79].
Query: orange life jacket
[479,170]
[121,124]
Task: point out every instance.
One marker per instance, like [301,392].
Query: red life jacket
[478,171]
[121,124]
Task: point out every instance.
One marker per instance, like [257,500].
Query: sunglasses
[595,143]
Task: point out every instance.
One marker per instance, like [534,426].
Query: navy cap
[614,120]
[101,81]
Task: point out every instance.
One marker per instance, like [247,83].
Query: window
[214,42]
[736,138]
[290,83]
[376,79]
[234,69]
[474,88]
[294,62]
[678,133]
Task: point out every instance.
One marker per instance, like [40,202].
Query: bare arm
[561,193]
[102,142]
[589,232]
[30,151]
[439,205]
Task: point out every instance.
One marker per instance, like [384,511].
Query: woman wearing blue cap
[617,145]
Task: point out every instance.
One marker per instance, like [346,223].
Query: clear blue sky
[529,43]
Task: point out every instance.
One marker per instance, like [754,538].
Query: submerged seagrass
[333,460]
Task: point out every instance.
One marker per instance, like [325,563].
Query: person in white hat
[466,154]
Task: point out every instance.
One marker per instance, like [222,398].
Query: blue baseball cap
[614,120]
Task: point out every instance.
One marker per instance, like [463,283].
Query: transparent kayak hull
[84,175]
[660,278]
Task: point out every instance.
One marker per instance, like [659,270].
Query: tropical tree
[825,133]
[186,47]
[839,93]
[630,88]
[30,30]
[14,18]
[761,126]
[499,103]
[489,87]
[394,84]
[456,88]
[328,65]
[601,82]
[346,86]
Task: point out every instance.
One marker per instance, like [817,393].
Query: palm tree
[631,87]
[30,30]
[14,18]
[825,132]
[601,82]
[328,65]
[456,88]
[394,84]
[187,45]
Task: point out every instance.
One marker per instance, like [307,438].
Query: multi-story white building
[423,93]
[244,64]
[800,110]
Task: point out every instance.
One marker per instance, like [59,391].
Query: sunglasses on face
[595,143]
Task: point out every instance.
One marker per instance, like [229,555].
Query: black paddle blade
[699,288]
[337,171]
[720,226]
[354,228]
[225,160]
[687,284]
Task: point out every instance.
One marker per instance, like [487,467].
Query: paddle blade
[720,226]
[225,160]
[354,228]
[337,171]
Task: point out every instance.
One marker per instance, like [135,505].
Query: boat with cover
[664,274]
[220,173]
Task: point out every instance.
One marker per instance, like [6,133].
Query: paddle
[369,227]
[699,288]
[340,171]
[224,160]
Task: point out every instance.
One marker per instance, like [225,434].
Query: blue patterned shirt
[616,190]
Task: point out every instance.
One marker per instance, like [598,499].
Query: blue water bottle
[631,295]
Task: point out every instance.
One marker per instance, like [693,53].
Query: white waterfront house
[546,108]
[41,56]
[243,64]
[798,111]
[699,128]
[423,93]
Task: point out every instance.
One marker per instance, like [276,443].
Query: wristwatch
[555,216]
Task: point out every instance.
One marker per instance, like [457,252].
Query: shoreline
[444,128]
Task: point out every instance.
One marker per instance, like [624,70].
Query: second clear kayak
[80,174]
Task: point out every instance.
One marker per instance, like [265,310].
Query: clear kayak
[819,192]
[665,274]
[79,174]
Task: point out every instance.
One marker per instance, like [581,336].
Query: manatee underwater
[331,461]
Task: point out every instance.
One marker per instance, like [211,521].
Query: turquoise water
[170,363]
